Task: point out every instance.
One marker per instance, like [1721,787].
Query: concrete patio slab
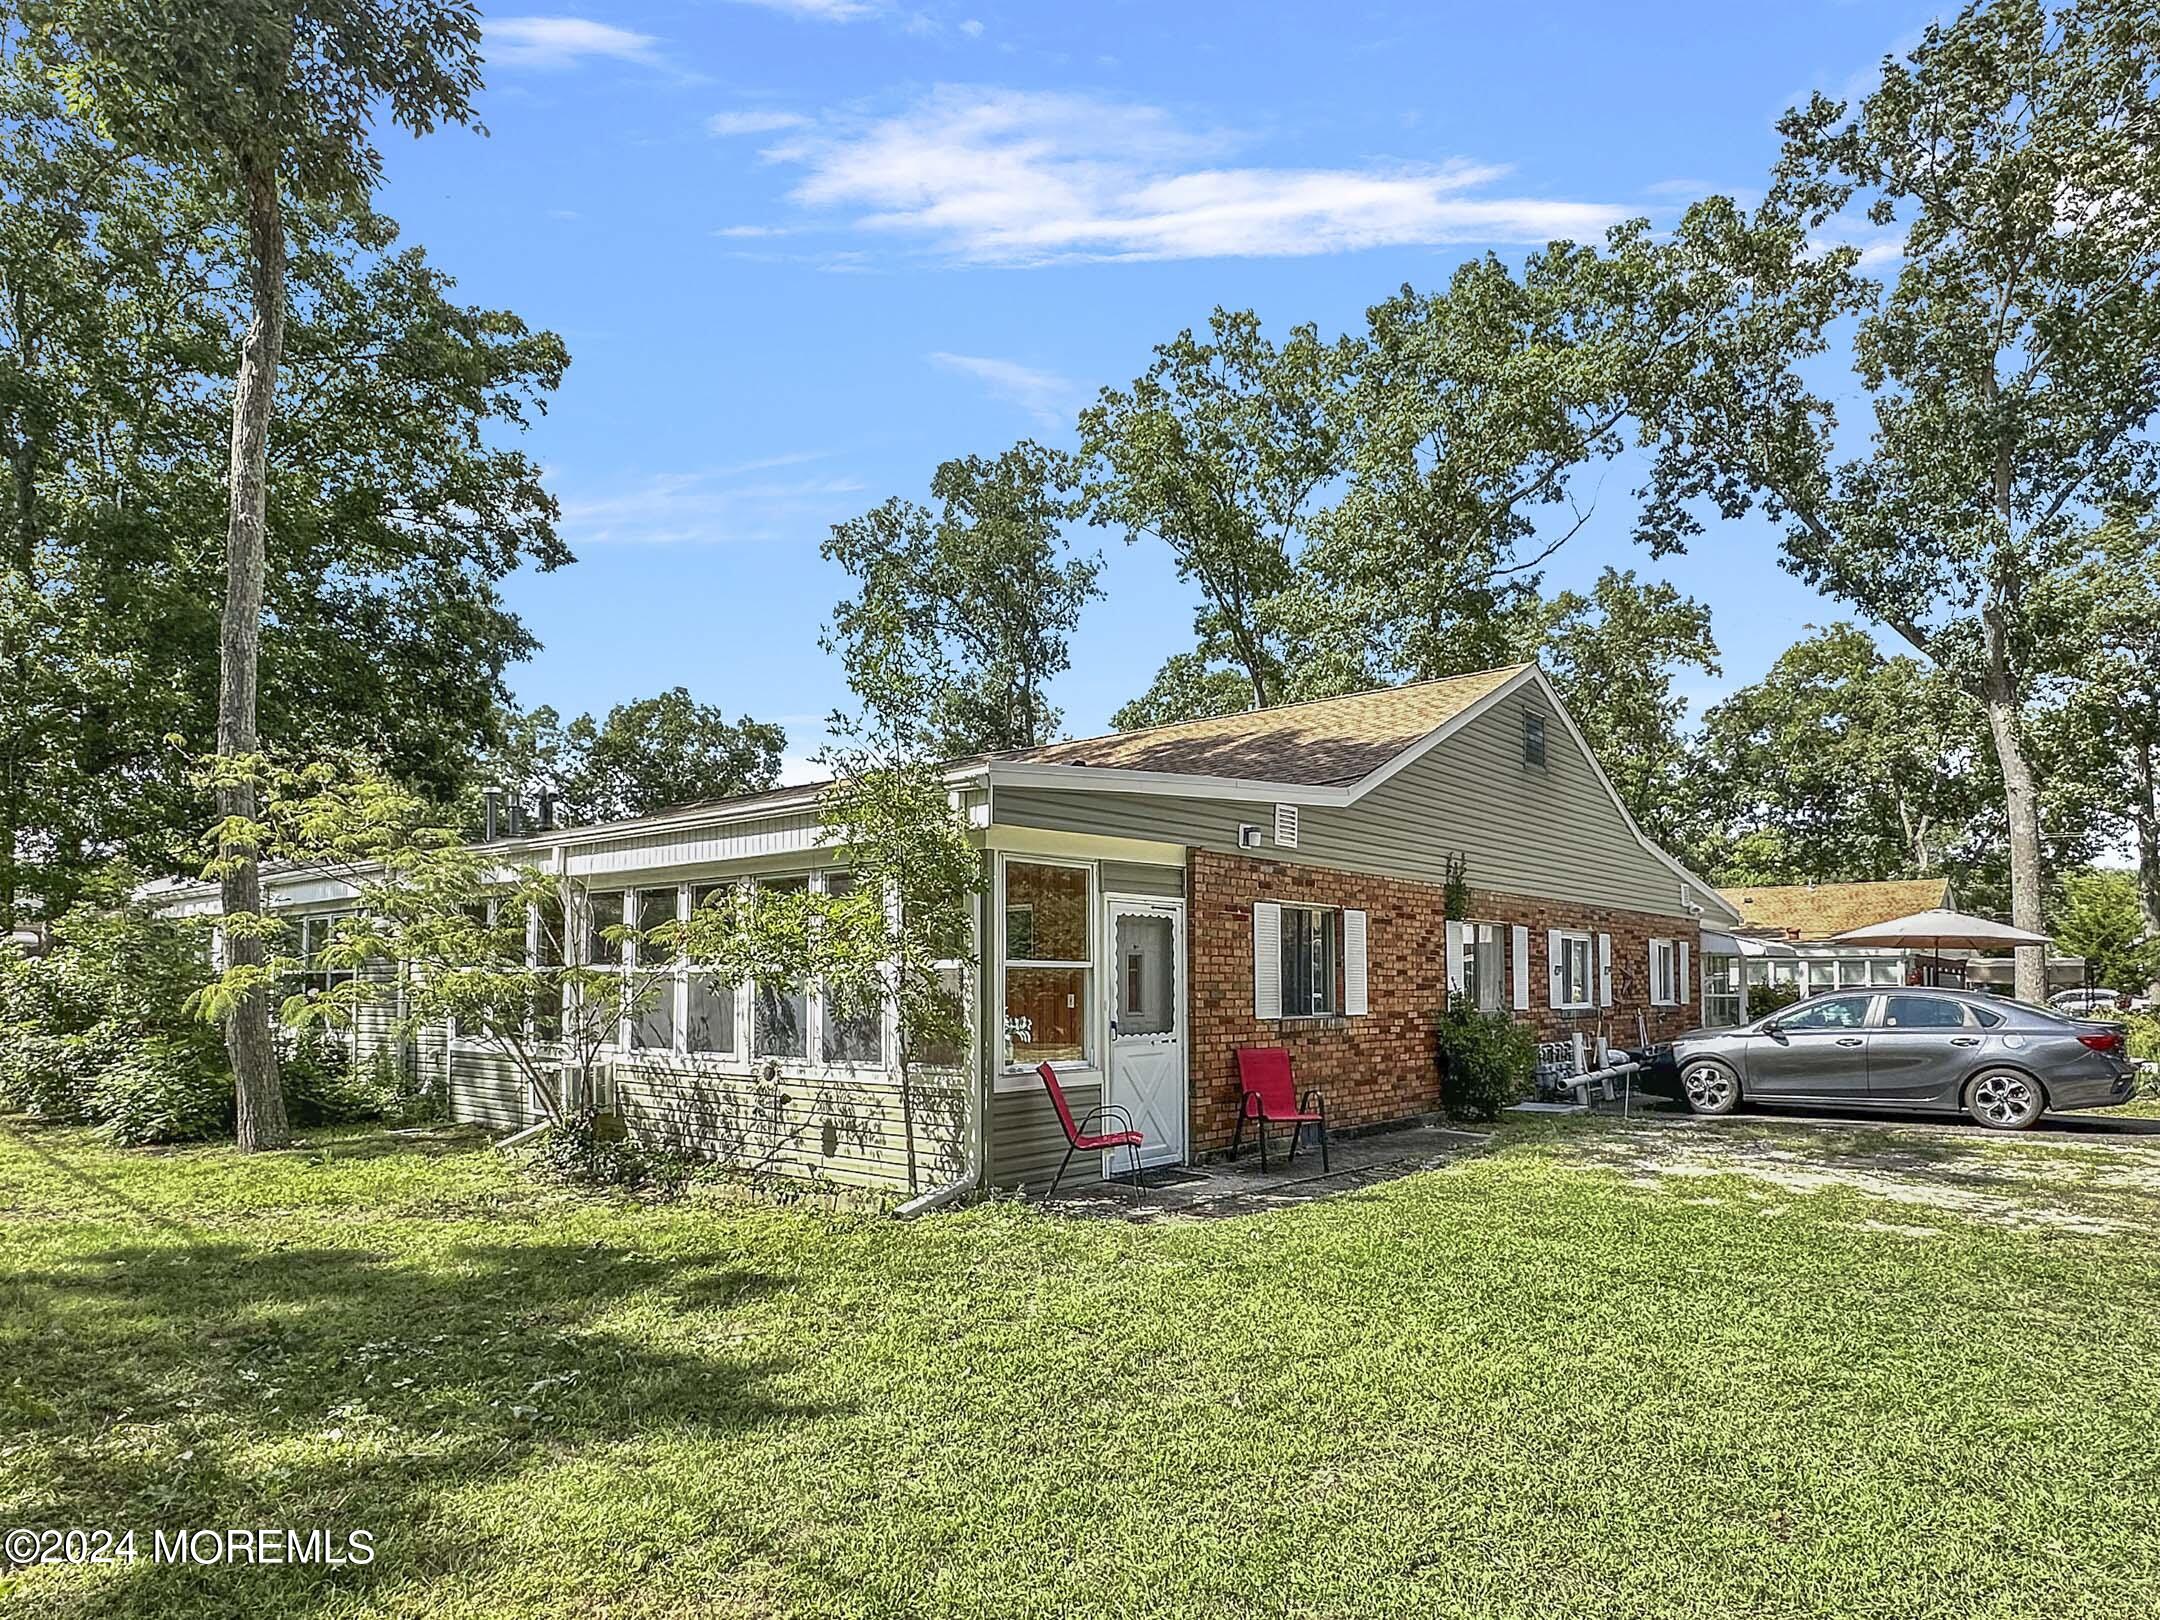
[1220,1189]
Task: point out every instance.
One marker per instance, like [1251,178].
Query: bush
[99,1031]
[1765,999]
[589,1149]
[158,1091]
[1488,1061]
[321,1087]
[2144,1030]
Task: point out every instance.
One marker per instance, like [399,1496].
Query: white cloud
[560,42]
[713,505]
[1044,395]
[973,28]
[988,176]
[820,10]
[754,121]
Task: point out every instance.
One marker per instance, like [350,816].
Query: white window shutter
[1555,978]
[1267,959]
[1522,968]
[1684,995]
[1604,970]
[1454,958]
[1353,963]
[1658,997]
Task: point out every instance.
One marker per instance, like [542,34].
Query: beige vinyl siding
[1138,877]
[1551,832]
[851,1128]
[485,1087]
[1026,1140]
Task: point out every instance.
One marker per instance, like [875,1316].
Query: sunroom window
[780,1014]
[1048,963]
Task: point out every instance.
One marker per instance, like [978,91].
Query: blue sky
[802,250]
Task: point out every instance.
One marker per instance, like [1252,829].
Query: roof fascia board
[1162,784]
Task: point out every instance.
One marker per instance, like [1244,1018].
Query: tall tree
[2110,733]
[1475,410]
[1613,653]
[658,752]
[2011,366]
[644,756]
[984,588]
[1840,765]
[398,501]
[262,98]
[1220,450]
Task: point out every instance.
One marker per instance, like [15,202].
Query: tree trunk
[2022,799]
[260,1099]
[2145,819]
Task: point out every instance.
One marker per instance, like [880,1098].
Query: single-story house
[1152,901]
[1788,936]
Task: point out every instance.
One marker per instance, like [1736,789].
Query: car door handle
[1964,1040]
[1852,1040]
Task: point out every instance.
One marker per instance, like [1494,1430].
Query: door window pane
[1923,1012]
[1147,975]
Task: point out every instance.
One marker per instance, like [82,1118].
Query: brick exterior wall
[1381,1066]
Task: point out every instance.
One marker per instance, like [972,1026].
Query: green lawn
[1661,1370]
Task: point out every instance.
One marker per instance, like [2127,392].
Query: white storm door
[1146,984]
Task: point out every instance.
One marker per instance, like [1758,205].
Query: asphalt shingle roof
[1824,910]
[1324,743]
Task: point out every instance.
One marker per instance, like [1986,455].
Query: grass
[1615,1370]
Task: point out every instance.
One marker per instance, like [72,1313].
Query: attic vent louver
[1286,825]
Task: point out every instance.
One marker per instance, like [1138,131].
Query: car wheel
[2005,1100]
[1709,1087]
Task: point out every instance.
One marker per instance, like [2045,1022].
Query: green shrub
[99,1031]
[321,1086]
[2144,1030]
[1488,1062]
[157,1090]
[589,1149]
[1765,999]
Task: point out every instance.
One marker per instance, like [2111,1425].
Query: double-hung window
[605,910]
[1574,964]
[1049,963]
[1484,966]
[315,935]
[1664,973]
[1311,961]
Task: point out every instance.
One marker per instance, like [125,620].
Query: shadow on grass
[209,1383]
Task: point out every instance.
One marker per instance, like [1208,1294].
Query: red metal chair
[1271,1097]
[1078,1139]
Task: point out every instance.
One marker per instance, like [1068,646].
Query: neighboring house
[1155,900]
[1788,933]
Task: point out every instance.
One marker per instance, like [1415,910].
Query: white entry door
[1147,1024]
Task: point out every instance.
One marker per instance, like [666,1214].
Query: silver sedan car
[2004,1063]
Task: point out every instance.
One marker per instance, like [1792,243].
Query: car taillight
[2109,1041]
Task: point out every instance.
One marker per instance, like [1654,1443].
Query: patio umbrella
[1939,930]
[1942,929]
